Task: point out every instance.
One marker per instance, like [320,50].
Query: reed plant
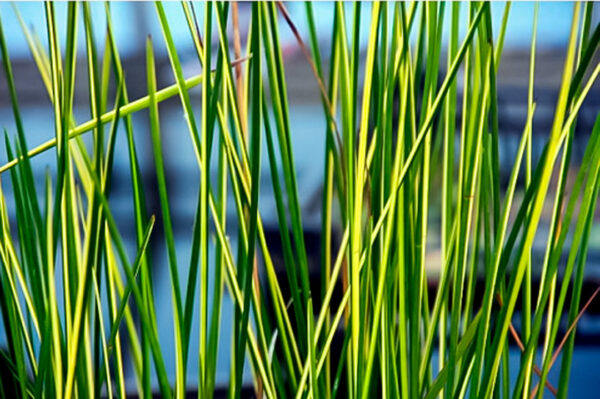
[78,305]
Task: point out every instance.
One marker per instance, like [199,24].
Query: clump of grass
[66,261]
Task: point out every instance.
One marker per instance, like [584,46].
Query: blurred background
[132,22]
